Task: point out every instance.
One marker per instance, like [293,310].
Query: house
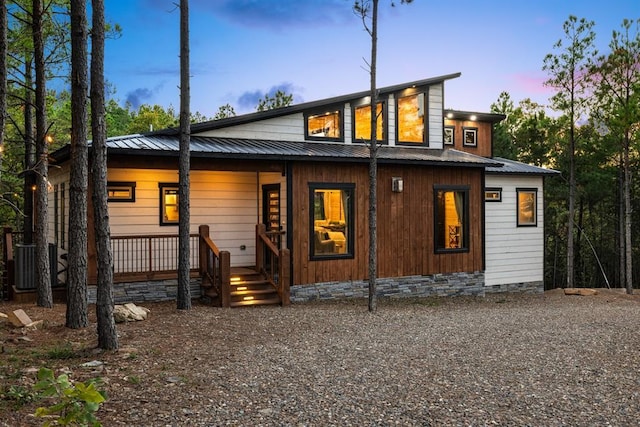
[297,177]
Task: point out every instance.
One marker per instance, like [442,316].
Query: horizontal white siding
[391,114]
[436,121]
[513,254]
[285,128]
[225,201]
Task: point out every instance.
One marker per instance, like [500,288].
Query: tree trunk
[107,335]
[3,75]
[43,272]
[184,291]
[373,166]
[29,154]
[621,224]
[572,199]
[77,271]
[627,218]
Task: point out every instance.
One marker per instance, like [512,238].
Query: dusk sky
[315,49]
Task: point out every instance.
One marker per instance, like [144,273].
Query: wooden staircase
[248,287]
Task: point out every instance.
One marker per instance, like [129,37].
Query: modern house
[285,192]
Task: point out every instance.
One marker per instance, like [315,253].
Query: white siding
[513,254]
[285,128]
[226,201]
[391,114]
[348,124]
[436,120]
[58,176]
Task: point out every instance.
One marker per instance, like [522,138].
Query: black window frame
[325,111]
[494,190]
[350,214]
[535,207]
[437,235]
[122,184]
[385,124]
[453,135]
[162,186]
[474,131]
[425,116]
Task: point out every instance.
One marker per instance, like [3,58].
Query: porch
[145,268]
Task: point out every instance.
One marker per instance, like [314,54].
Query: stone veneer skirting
[442,285]
[453,284]
[152,290]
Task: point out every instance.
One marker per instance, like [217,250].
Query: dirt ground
[177,365]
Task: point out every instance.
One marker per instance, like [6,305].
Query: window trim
[533,190]
[129,185]
[319,112]
[385,125]
[350,214]
[162,186]
[472,131]
[466,238]
[497,190]
[425,115]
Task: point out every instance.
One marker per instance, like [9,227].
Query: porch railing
[215,268]
[149,257]
[274,263]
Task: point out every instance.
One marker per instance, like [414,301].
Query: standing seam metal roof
[238,148]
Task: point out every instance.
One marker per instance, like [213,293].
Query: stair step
[249,282]
[253,292]
[270,301]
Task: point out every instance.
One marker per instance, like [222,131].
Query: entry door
[271,210]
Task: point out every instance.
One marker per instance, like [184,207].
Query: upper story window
[332,220]
[362,123]
[410,118]
[451,218]
[324,125]
[169,203]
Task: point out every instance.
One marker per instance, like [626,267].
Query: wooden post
[203,231]
[284,276]
[260,229]
[225,278]
[7,258]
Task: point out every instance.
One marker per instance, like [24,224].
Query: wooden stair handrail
[280,276]
[216,275]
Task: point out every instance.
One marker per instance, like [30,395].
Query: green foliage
[278,100]
[75,403]
[61,352]
[19,395]
[224,112]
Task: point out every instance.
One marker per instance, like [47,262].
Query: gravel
[536,360]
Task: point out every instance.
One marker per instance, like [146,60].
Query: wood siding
[484,137]
[405,222]
[513,254]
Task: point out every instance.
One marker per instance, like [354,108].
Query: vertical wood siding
[405,222]
[484,136]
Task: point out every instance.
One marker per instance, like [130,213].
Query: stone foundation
[517,288]
[156,290]
[444,285]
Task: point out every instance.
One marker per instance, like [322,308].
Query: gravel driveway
[549,360]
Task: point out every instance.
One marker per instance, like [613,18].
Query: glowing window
[362,118]
[169,204]
[332,220]
[451,218]
[527,207]
[410,118]
[326,125]
[121,191]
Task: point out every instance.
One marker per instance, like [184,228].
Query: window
[493,194]
[362,119]
[169,202]
[451,218]
[121,191]
[324,125]
[470,136]
[331,221]
[449,135]
[527,207]
[410,118]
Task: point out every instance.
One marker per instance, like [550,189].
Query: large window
[527,207]
[332,220]
[451,218]
[362,119]
[169,202]
[410,118]
[324,125]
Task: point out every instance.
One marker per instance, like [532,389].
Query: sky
[241,50]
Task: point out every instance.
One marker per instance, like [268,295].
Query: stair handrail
[215,267]
[274,263]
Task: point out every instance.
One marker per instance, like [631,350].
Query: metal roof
[515,167]
[259,149]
